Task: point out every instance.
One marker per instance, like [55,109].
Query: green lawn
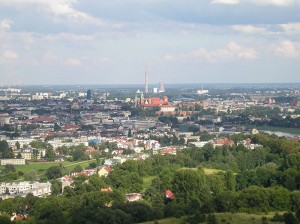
[41,167]
[207,171]
[226,218]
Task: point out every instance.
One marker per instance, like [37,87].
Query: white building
[4,119]
[9,190]
[14,162]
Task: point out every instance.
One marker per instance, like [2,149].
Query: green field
[226,218]
[280,129]
[207,171]
[41,167]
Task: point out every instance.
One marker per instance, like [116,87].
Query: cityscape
[150,112]
[56,138]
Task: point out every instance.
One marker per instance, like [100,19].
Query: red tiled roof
[169,194]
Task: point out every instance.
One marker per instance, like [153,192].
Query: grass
[244,218]
[226,218]
[207,171]
[41,167]
[147,182]
[280,129]
[167,221]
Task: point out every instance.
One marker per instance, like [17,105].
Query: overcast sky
[180,41]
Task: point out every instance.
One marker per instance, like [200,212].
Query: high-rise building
[89,94]
[161,88]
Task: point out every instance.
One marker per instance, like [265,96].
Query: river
[282,134]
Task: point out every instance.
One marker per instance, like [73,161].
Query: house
[248,144]
[118,159]
[71,127]
[169,194]
[223,141]
[106,190]
[171,151]
[117,152]
[198,144]
[133,197]
[138,149]
[18,217]
[104,171]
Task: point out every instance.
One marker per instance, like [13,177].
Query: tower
[161,88]
[146,80]
[89,94]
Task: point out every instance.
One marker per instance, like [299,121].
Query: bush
[277,218]
[290,218]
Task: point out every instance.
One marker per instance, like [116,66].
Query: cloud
[230,52]
[250,29]
[168,57]
[275,2]
[258,2]
[60,9]
[5,24]
[229,2]
[105,60]
[287,48]
[9,55]
[73,61]
[291,28]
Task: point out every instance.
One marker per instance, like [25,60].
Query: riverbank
[294,131]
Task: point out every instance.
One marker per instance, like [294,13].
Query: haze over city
[110,42]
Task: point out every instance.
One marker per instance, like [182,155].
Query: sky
[179,41]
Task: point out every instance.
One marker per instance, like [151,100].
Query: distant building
[133,197]
[11,190]
[15,162]
[4,119]
[161,88]
[89,94]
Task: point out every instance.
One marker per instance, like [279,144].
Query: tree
[77,169]
[5,151]
[18,145]
[280,199]
[55,187]
[289,218]
[30,175]
[226,201]
[229,181]
[9,168]
[129,133]
[254,198]
[5,220]
[291,179]
[57,127]
[188,184]
[211,219]
[49,211]
[78,154]
[53,172]
[140,212]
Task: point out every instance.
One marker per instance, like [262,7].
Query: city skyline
[88,42]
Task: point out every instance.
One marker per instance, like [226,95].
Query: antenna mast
[146,80]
